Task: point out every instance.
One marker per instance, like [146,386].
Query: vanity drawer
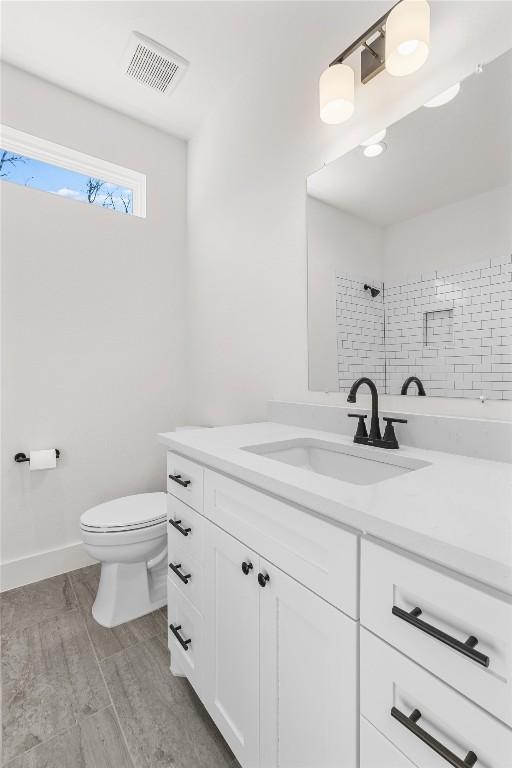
[455,607]
[185,532]
[378,752]
[185,622]
[393,686]
[318,554]
[185,480]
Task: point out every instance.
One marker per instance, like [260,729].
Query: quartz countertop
[457,511]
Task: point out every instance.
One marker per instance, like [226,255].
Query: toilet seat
[128,513]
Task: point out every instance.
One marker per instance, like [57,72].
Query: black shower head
[374,291]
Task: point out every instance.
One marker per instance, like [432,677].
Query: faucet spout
[409,381]
[374,424]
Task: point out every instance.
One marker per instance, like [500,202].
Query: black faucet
[409,381]
[374,438]
[374,425]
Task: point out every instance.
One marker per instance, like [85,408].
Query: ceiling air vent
[150,64]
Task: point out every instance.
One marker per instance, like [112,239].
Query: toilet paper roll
[46,459]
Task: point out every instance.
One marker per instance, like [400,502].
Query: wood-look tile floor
[78,695]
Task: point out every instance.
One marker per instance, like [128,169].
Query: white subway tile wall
[359,331]
[452,328]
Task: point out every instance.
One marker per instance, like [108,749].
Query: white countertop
[456,512]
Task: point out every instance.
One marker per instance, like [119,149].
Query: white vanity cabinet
[273,661]
[264,606]
[281,676]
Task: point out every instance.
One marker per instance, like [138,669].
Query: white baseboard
[26,570]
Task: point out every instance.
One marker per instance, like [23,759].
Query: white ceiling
[434,157]
[80,46]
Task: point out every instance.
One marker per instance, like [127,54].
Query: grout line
[121,650]
[54,736]
[9,632]
[132,645]
[116,714]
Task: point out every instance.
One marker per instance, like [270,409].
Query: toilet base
[127,591]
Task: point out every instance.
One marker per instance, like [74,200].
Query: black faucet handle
[389,440]
[361,433]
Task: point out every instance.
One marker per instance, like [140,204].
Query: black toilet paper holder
[21,457]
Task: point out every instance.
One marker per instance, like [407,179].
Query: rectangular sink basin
[356,464]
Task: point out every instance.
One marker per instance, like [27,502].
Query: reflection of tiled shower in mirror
[429,224]
[452,328]
[359,331]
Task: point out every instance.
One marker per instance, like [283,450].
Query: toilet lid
[126,513]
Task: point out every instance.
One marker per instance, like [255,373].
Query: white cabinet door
[308,678]
[231,615]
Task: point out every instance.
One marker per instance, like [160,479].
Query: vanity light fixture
[397,42]
[336,94]
[444,97]
[407,37]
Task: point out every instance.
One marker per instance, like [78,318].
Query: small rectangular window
[49,167]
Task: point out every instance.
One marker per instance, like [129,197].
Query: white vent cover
[150,64]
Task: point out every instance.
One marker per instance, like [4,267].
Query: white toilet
[129,538]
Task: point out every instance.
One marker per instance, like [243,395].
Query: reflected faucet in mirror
[374,438]
[415,380]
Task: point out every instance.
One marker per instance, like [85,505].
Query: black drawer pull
[176,632]
[176,569]
[176,524]
[247,567]
[411,725]
[467,648]
[177,479]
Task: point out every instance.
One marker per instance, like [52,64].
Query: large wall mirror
[409,252]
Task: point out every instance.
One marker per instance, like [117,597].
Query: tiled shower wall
[359,331]
[452,328]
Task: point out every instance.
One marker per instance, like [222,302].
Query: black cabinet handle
[176,569]
[467,648]
[411,724]
[177,479]
[176,632]
[262,579]
[246,567]
[176,524]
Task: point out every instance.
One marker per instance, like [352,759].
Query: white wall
[247,170]
[93,328]
[456,235]
[337,243]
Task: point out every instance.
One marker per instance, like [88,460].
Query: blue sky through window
[23,170]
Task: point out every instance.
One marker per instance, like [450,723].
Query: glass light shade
[444,97]
[407,37]
[336,94]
